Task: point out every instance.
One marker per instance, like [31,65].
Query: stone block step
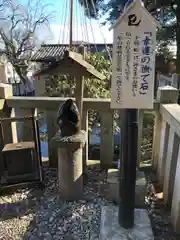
[111,230]
[113,187]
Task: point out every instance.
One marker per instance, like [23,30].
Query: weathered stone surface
[175,208]
[113,187]
[68,118]
[70,164]
[110,229]
[78,140]
[70,173]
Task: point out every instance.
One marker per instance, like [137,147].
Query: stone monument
[68,119]
[69,141]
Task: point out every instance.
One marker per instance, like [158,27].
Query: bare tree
[3,3]
[19,26]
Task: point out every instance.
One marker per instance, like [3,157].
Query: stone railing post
[85,149]
[107,139]
[166,94]
[25,127]
[51,131]
[40,85]
[70,164]
[175,80]
[175,206]
[165,131]
[9,129]
[170,167]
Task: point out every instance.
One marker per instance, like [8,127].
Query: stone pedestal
[111,230]
[113,187]
[70,164]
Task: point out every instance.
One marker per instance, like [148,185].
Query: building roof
[73,64]
[56,51]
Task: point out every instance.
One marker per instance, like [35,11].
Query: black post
[156,84]
[128,168]
[178,87]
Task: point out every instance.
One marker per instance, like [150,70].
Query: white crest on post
[133,69]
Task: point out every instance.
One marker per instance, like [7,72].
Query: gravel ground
[160,217]
[41,214]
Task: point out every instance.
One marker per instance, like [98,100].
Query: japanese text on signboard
[119,67]
[136,61]
[146,61]
[127,55]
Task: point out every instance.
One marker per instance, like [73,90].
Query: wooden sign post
[132,88]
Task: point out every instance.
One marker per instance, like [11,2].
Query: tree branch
[19,25]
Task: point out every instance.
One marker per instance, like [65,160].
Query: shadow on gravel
[159,215]
[17,204]
[76,220]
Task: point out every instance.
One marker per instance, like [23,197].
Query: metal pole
[127,179]
[71,24]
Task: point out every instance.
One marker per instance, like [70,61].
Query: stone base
[111,230]
[113,187]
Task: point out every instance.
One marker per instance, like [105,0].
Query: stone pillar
[8,132]
[40,85]
[107,139]
[3,77]
[175,208]
[25,127]
[163,151]
[165,94]
[85,149]
[175,80]
[170,167]
[70,167]
[9,129]
[52,129]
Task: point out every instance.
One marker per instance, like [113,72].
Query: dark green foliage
[91,7]
[64,86]
[167,12]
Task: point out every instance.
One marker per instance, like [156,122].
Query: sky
[83,28]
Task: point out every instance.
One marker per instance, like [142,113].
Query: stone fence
[165,152]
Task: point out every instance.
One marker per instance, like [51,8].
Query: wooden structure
[72,63]
[20,162]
